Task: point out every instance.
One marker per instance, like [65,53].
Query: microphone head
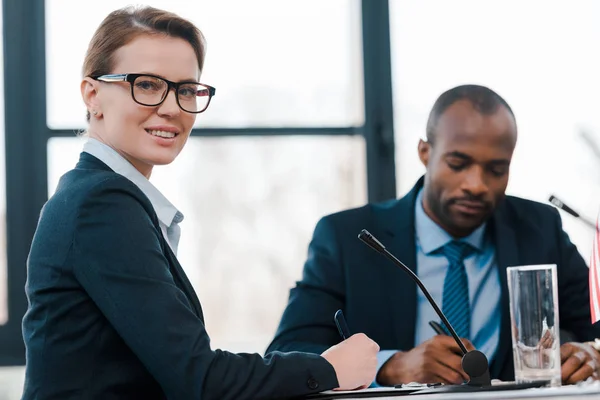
[561,205]
[555,201]
[371,241]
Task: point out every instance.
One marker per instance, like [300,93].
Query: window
[250,202]
[250,205]
[274,63]
[549,76]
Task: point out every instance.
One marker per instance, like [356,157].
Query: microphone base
[475,364]
[480,381]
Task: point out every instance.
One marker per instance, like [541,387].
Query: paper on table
[375,392]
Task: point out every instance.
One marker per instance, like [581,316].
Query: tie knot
[456,251]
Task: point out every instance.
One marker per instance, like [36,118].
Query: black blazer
[112,315]
[381,300]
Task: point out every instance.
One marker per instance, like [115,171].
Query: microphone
[561,205]
[474,362]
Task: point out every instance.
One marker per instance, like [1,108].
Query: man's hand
[436,360]
[579,362]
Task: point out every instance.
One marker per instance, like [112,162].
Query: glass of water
[533,294]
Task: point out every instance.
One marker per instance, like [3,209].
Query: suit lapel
[507,255]
[397,232]
[88,161]
[182,280]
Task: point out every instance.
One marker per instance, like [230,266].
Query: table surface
[586,391]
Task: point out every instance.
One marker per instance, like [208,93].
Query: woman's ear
[89,94]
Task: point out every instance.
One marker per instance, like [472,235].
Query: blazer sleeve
[573,290]
[117,258]
[307,323]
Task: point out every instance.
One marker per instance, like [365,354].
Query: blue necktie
[455,297]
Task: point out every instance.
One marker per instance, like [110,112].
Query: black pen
[342,326]
[438,328]
[417,385]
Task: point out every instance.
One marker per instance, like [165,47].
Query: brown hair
[122,26]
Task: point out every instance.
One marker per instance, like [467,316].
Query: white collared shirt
[168,216]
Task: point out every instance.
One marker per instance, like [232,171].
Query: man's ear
[424,149]
[89,94]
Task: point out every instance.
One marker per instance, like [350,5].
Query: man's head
[471,136]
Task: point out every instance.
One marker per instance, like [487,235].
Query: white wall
[541,56]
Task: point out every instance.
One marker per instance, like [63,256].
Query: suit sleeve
[118,260]
[307,323]
[573,290]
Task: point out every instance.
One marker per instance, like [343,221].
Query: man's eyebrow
[466,157]
[458,154]
[500,161]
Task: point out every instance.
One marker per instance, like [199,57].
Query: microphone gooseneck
[474,362]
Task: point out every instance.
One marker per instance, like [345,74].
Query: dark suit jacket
[112,314]
[380,300]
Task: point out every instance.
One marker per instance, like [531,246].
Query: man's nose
[475,182]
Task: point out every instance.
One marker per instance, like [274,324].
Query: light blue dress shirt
[168,216]
[484,284]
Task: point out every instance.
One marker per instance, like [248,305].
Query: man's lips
[470,206]
[471,203]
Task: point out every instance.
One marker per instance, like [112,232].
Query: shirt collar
[431,236]
[166,212]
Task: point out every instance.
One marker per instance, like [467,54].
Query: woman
[111,312]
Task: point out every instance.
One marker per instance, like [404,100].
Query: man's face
[467,166]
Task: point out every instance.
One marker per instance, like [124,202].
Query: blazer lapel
[88,161]
[507,255]
[396,230]
[181,278]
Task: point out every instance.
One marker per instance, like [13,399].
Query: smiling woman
[111,311]
[108,88]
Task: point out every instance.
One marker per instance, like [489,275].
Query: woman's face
[138,132]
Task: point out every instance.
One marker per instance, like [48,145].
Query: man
[459,232]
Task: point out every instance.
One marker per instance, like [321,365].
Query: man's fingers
[446,373]
[584,372]
[468,344]
[565,352]
[452,362]
[572,364]
[449,343]
[547,340]
[445,359]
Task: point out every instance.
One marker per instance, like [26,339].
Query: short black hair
[483,99]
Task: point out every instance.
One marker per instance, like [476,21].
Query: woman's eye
[147,85]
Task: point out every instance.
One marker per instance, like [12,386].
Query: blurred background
[319,107]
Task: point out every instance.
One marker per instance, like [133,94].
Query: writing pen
[438,328]
[342,326]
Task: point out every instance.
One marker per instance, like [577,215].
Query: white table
[586,392]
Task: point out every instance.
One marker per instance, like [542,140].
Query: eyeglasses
[151,90]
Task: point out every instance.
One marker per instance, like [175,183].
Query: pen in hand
[438,328]
[342,326]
